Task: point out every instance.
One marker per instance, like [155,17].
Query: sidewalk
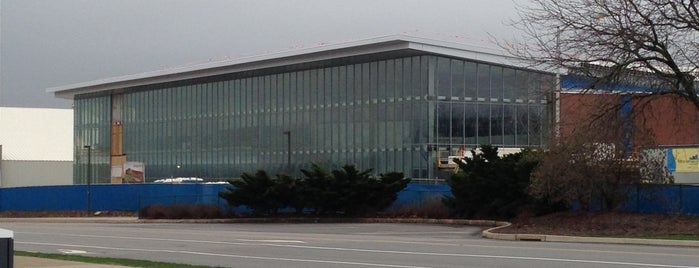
[32,262]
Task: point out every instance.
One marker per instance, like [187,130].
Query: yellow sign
[686,159]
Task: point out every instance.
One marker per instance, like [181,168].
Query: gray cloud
[52,43]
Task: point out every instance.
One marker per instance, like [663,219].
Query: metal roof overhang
[373,48]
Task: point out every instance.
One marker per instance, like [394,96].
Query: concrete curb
[488,233]
[327,220]
[250,220]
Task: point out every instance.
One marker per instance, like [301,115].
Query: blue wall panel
[125,197]
[44,198]
[690,200]
[415,193]
[663,199]
[131,197]
[659,199]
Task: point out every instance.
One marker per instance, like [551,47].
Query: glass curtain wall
[387,115]
[480,103]
[369,114]
[91,128]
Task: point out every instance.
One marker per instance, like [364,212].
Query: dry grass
[181,211]
[605,224]
[429,208]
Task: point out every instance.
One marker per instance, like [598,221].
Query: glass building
[387,104]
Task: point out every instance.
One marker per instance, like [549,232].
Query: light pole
[288,149]
[89,167]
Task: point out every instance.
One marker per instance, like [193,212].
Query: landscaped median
[492,234]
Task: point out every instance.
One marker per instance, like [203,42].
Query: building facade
[35,147]
[389,104]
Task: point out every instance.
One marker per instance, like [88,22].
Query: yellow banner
[686,159]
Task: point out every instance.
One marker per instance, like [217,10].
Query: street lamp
[288,149]
[89,167]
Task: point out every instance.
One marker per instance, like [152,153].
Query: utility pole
[288,149]
[89,175]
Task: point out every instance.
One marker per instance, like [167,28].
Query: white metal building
[36,147]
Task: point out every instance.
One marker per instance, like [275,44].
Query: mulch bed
[38,214]
[605,224]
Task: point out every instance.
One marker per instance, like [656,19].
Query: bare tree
[651,45]
[592,164]
[616,41]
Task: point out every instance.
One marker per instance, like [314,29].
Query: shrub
[319,192]
[345,191]
[350,191]
[488,185]
[584,175]
[286,193]
[254,191]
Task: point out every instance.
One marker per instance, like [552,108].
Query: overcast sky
[54,43]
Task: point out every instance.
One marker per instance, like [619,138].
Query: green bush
[255,191]
[490,186]
[286,191]
[346,191]
[319,191]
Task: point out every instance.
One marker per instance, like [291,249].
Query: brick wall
[657,120]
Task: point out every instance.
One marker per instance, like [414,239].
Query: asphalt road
[330,245]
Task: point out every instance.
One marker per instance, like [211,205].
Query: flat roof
[308,55]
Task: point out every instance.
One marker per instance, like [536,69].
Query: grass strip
[674,237]
[107,261]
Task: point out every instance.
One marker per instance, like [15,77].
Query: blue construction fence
[132,197]
[106,197]
[675,199]
[656,199]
